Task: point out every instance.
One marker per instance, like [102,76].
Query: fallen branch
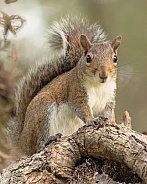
[56,163]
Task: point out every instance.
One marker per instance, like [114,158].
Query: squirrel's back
[63,42]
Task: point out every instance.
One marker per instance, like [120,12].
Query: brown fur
[58,96]
[66,88]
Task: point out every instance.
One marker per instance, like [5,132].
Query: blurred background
[117,17]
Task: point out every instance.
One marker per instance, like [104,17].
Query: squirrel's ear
[85,42]
[116,42]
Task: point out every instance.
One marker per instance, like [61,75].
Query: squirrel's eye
[115,59]
[88,59]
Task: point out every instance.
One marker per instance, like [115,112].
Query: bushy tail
[63,37]
[63,40]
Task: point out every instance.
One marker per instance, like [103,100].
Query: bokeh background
[117,17]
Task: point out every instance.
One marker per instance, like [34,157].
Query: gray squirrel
[69,90]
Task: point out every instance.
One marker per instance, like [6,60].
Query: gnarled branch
[56,163]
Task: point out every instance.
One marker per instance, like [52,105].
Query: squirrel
[71,89]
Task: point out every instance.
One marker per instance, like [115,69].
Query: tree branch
[56,163]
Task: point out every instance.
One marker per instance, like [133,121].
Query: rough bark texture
[102,154]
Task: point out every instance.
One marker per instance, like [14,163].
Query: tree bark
[57,162]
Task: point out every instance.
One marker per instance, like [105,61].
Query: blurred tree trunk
[92,154]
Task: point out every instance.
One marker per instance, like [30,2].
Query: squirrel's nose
[103,73]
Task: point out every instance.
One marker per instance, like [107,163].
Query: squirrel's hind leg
[36,125]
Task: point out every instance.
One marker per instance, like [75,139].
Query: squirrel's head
[100,59]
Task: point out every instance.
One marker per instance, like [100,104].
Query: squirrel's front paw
[100,121]
[55,137]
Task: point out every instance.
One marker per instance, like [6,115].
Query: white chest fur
[62,118]
[99,95]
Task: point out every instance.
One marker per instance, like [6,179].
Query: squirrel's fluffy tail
[63,38]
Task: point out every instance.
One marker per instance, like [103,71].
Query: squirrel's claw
[55,137]
[100,121]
